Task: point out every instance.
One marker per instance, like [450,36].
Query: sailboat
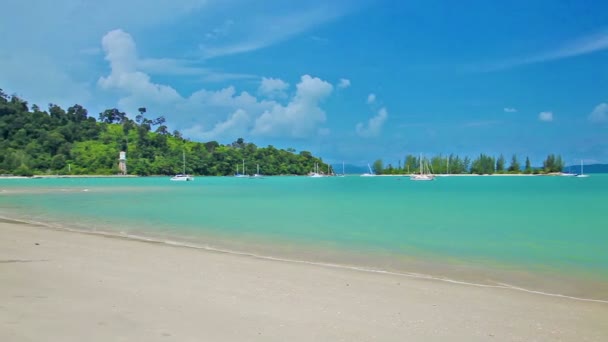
[582,175]
[240,175]
[343,173]
[257,175]
[370,174]
[316,173]
[183,177]
[424,175]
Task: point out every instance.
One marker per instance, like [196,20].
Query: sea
[541,234]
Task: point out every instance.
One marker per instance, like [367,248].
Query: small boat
[316,173]
[582,175]
[343,173]
[183,177]
[257,175]
[240,175]
[370,174]
[424,175]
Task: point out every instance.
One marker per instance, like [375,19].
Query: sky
[348,80]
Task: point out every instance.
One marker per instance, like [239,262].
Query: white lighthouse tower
[122,162]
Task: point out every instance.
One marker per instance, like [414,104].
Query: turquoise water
[545,233]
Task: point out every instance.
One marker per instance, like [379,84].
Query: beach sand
[64,286]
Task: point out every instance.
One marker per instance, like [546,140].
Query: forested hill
[58,141]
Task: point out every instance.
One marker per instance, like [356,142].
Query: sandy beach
[64,286]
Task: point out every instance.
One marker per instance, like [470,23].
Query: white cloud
[581,46]
[371,98]
[265,28]
[65,65]
[121,53]
[599,113]
[236,125]
[374,125]
[510,110]
[214,114]
[273,87]
[344,83]
[545,116]
[301,115]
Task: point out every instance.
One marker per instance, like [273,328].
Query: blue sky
[351,80]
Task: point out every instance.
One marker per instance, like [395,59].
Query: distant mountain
[592,168]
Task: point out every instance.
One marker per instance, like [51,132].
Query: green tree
[500,164]
[514,167]
[528,167]
[378,167]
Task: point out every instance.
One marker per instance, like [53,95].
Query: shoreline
[214,248]
[235,297]
[573,284]
[347,175]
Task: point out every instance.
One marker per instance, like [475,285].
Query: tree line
[70,141]
[482,164]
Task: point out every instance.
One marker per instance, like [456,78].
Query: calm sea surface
[546,234]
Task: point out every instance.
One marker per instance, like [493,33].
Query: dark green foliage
[378,167]
[553,164]
[483,164]
[61,142]
[514,167]
[500,164]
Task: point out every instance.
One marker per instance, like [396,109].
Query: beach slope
[63,286]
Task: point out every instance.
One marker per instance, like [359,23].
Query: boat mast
[184,160]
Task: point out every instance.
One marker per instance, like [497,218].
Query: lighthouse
[122,162]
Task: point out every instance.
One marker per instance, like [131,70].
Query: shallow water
[543,233]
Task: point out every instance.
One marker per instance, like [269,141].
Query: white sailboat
[582,174]
[183,177]
[257,175]
[370,174]
[316,173]
[424,175]
[343,173]
[240,175]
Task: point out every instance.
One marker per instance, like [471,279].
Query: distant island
[70,142]
[481,165]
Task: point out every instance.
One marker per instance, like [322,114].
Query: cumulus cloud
[510,110]
[273,87]
[215,114]
[374,125]
[237,124]
[344,83]
[599,113]
[371,98]
[301,115]
[545,116]
[120,51]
